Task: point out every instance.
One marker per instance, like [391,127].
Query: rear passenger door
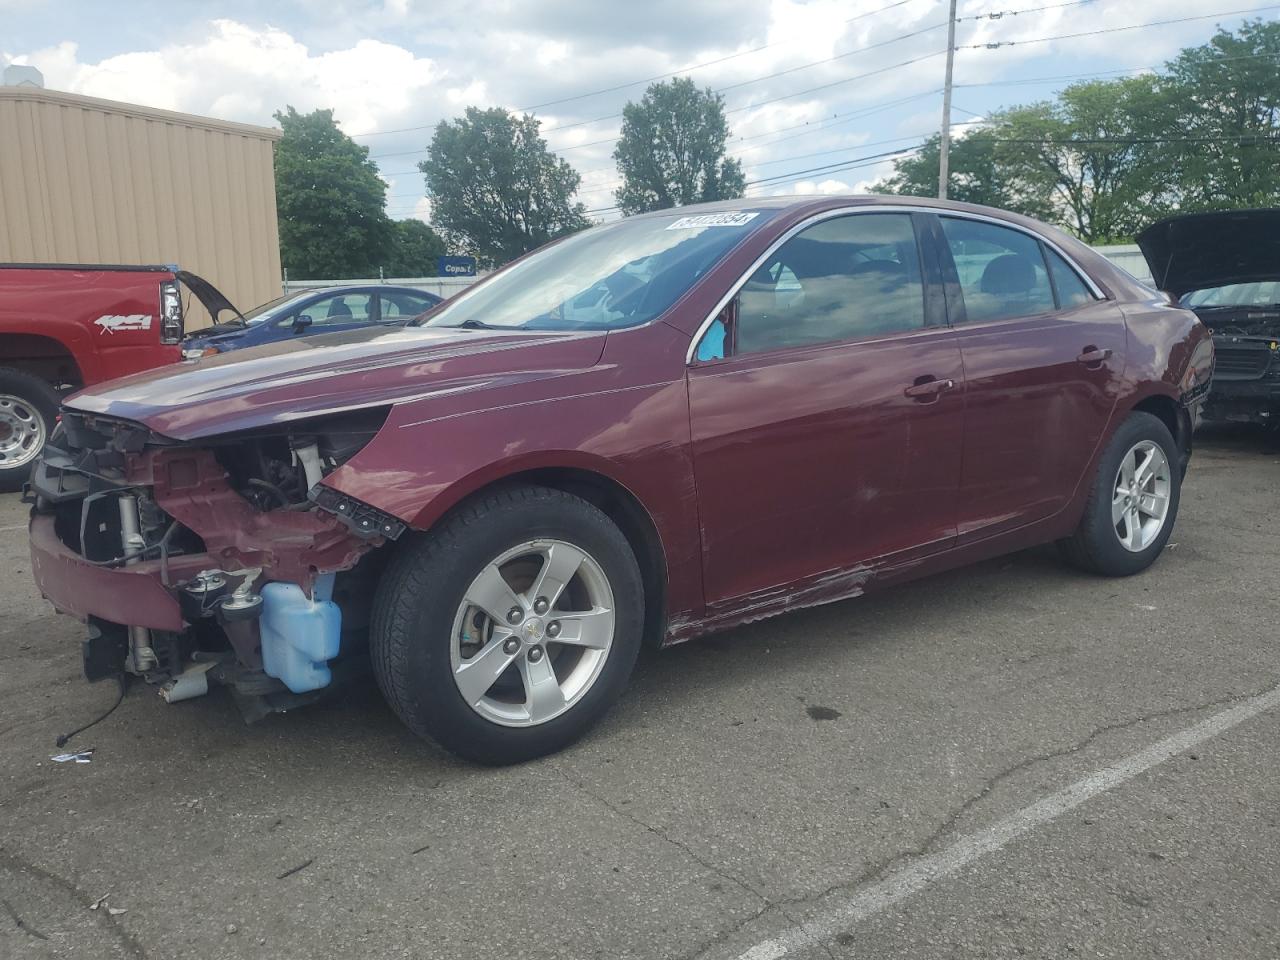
[1042,356]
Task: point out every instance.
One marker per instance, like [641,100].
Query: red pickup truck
[67,326]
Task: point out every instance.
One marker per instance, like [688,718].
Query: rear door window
[1071,290]
[401,306]
[1002,270]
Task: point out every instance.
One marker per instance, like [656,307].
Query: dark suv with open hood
[1226,267]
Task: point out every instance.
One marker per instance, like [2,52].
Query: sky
[807,83]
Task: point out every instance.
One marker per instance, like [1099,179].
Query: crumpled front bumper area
[131,596]
[149,543]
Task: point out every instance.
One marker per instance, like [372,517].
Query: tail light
[170,312]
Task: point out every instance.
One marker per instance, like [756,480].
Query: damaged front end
[224,559]
[1246,376]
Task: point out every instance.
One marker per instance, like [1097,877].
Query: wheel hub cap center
[533,630]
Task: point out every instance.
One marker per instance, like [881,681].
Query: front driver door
[826,409]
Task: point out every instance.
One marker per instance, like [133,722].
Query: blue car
[306,312]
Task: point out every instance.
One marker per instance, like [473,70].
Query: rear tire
[28,413]
[430,625]
[1130,513]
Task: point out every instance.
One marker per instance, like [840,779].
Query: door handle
[924,389]
[1093,355]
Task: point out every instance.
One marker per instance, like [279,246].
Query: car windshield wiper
[471,323]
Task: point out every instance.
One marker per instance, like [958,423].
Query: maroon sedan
[652,429]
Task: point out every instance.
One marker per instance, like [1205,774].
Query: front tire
[508,632]
[1133,503]
[28,413]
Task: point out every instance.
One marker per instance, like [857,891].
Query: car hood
[1201,250]
[297,379]
[218,333]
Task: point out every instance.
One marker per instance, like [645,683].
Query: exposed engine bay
[221,560]
[1246,341]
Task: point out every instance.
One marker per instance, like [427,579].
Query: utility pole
[944,147]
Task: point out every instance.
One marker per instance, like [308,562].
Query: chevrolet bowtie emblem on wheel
[110,323]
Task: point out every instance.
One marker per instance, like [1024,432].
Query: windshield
[266,311]
[617,275]
[1264,293]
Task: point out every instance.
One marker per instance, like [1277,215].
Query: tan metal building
[84,180]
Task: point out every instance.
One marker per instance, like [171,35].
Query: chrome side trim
[874,208]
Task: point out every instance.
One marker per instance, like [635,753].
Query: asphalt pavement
[1011,760]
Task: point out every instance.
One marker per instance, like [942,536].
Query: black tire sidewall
[44,400]
[440,566]
[1106,554]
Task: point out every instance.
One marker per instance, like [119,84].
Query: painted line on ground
[21,526]
[914,877]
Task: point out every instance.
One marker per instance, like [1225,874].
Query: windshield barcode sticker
[712,220]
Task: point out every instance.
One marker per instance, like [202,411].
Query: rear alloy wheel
[1140,498]
[28,411]
[1134,501]
[510,629]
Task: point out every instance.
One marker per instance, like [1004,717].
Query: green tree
[414,248]
[330,200]
[1098,155]
[1107,157]
[1226,100]
[672,149]
[495,189]
[977,176]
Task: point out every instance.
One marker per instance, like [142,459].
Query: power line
[837,83]
[708,63]
[839,56]
[599,188]
[999,14]
[770,76]
[1030,81]
[820,125]
[1133,26]
[699,66]
[831,167]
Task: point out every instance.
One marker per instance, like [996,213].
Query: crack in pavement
[877,870]
[765,903]
[20,864]
[21,924]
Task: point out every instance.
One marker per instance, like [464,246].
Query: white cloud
[395,68]
[237,72]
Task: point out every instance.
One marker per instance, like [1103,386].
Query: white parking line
[13,529]
[870,900]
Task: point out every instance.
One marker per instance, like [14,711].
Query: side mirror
[301,322]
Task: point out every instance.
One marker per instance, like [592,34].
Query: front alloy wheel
[509,629]
[532,633]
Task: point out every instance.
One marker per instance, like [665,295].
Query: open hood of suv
[1196,251]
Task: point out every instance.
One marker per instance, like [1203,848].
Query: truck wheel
[28,412]
[1133,503]
[510,630]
